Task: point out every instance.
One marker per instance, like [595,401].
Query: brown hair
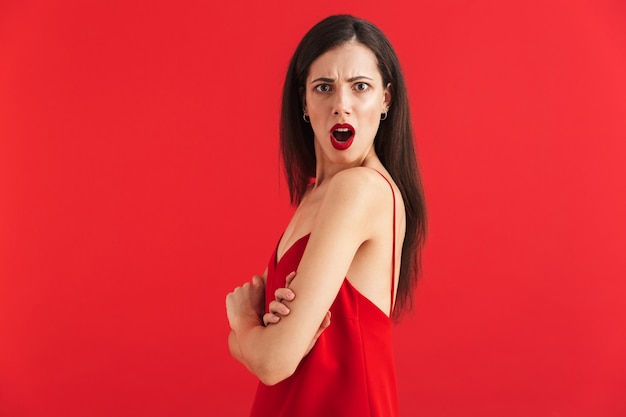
[393,142]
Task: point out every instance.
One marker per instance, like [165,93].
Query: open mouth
[341,136]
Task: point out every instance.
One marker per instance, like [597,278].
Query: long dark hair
[393,142]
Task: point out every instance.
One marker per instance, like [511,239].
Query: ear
[387,98]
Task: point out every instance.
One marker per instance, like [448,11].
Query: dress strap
[393,254]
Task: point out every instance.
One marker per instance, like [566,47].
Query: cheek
[318,125]
[372,113]
[370,119]
[372,106]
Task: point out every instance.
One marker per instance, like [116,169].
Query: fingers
[284,294]
[277,310]
[277,307]
[270,318]
[257,280]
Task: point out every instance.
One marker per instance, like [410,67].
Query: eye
[361,86]
[322,88]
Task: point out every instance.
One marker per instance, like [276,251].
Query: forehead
[345,61]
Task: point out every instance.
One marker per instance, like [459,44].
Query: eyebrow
[332,80]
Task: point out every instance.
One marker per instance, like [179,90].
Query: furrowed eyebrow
[326,80]
[350,80]
[359,77]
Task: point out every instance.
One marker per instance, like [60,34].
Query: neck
[326,169]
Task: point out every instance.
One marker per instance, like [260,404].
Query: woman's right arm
[277,310]
[348,216]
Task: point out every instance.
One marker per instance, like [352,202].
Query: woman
[353,243]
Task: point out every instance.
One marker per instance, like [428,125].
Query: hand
[246,303]
[278,310]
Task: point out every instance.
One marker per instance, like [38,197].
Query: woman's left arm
[348,217]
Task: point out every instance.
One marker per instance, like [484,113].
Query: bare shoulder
[357,197]
[359,183]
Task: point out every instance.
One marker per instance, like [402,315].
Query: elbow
[272,374]
[273,378]
[271,363]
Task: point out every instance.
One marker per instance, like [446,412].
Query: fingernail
[289,296]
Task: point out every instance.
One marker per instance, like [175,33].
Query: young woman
[316,327]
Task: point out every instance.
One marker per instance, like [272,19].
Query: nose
[342,103]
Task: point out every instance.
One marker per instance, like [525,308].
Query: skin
[343,211]
[278,309]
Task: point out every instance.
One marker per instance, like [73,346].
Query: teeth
[342,129]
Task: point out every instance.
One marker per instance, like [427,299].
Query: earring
[383,116]
[306,118]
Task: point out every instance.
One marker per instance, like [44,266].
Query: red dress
[349,372]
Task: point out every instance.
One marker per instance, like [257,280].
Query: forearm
[263,353]
[235,351]
[244,306]
[258,364]
[244,325]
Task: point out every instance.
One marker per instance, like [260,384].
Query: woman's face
[344,99]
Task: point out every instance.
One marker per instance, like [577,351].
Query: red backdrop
[139,183]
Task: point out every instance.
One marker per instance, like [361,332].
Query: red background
[139,183]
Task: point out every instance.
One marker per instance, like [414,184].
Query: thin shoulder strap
[393,254]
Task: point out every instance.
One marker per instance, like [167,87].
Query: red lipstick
[341,136]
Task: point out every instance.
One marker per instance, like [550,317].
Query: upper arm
[344,222]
